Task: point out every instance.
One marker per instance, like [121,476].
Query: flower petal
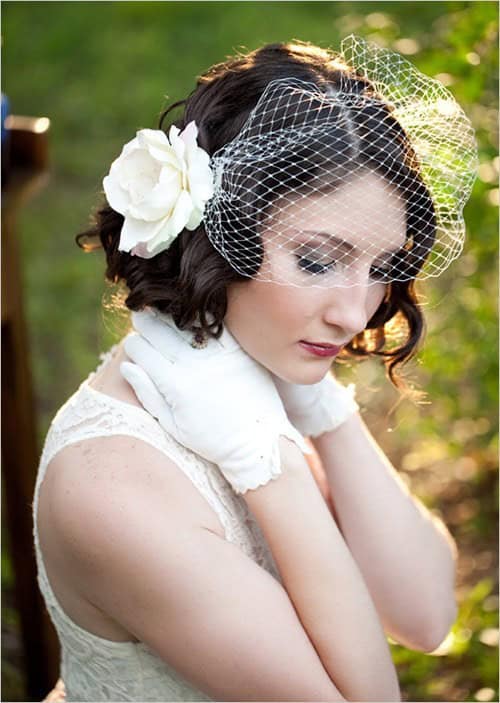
[160,201]
[201,180]
[169,177]
[141,250]
[128,147]
[168,157]
[192,149]
[173,132]
[156,143]
[134,231]
[138,174]
[115,195]
[189,135]
[194,219]
[182,212]
[178,145]
[161,242]
[152,137]
[170,228]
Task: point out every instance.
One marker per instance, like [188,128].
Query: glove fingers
[162,334]
[161,331]
[160,370]
[148,395]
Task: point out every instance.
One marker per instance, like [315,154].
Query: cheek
[254,312]
[265,317]
[376,295]
[282,321]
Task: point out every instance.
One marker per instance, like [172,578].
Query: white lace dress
[96,669]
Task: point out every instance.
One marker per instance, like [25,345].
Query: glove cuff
[267,466]
[333,406]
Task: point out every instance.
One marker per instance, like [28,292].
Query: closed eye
[384,270]
[381,272]
[308,264]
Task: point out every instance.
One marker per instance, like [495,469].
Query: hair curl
[189,280]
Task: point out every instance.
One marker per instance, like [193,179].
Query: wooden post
[27,173]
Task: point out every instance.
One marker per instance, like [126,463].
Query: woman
[185,550]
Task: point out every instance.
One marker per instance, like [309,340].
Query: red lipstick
[320,349]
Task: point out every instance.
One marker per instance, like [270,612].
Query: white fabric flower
[160,185]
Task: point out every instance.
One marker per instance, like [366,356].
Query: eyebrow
[331,238]
[347,246]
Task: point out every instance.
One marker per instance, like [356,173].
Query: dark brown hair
[189,280]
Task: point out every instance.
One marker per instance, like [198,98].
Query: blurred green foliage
[102,70]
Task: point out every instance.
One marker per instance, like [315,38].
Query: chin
[304,377]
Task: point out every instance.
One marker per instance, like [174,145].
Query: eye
[389,269]
[384,270]
[307,263]
[381,272]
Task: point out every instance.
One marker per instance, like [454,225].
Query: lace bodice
[93,668]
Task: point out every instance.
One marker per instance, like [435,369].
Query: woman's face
[362,222]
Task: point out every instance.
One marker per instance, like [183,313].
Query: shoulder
[88,479]
[93,487]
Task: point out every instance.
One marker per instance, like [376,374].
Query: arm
[195,394]
[406,555]
[323,582]
[143,549]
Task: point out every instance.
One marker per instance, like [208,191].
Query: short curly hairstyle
[189,280]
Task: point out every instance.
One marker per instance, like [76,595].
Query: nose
[347,310]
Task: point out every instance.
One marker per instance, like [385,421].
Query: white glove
[216,401]
[319,407]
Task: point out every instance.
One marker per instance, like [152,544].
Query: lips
[320,349]
[321,344]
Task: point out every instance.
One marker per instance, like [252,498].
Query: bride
[185,549]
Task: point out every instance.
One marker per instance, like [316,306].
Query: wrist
[334,440]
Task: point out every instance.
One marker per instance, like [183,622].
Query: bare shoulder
[87,478]
[122,467]
[93,490]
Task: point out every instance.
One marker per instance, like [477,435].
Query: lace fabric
[93,668]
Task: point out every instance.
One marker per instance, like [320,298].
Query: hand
[217,401]
[317,408]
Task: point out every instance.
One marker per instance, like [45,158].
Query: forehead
[366,213]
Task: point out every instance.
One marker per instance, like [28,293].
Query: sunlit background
[100,71]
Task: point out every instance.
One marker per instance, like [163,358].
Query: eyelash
[315,268]
[380,273]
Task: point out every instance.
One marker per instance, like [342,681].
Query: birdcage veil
[291,191]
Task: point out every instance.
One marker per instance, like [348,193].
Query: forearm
[406,555]
[325,585]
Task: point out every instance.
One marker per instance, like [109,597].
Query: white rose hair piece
[160,185]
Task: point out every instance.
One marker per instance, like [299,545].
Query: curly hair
[189,280]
